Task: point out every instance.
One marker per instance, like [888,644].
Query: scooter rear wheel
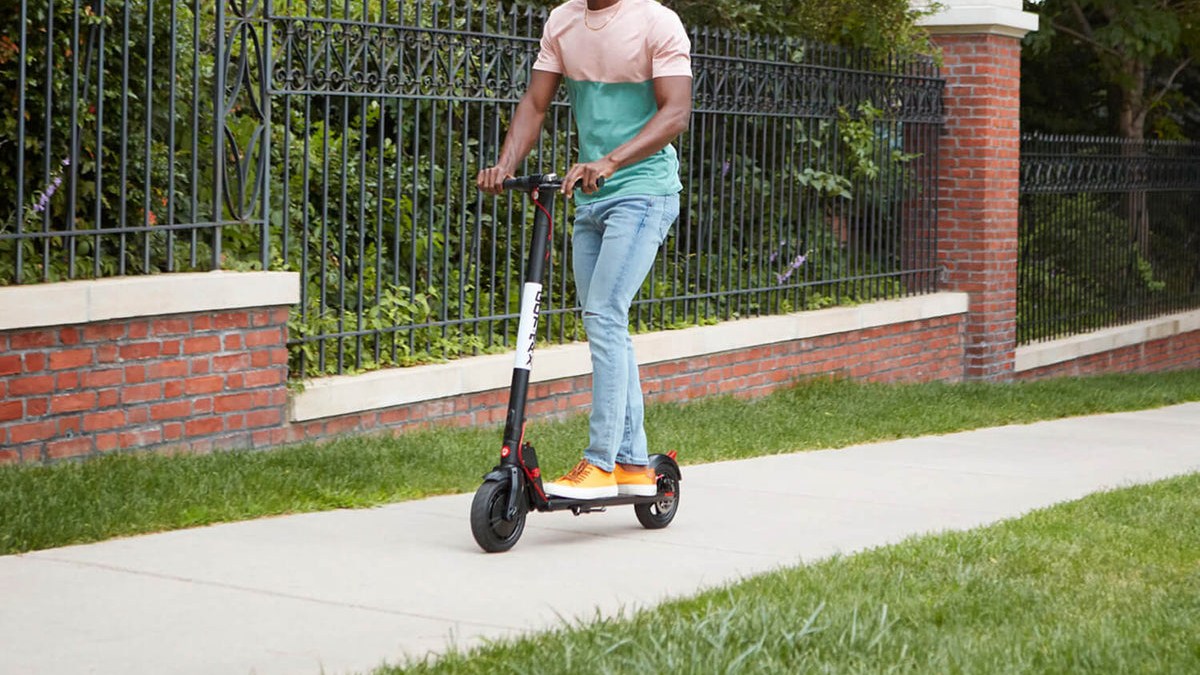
[492,532]
[659,513]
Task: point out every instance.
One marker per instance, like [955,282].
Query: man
[627,68]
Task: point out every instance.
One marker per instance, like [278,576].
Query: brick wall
[202,381]
[1178,352]
[978,192]
[917,351]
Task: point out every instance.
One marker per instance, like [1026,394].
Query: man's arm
[674,95]
[523,132]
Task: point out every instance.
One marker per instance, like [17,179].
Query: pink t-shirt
[631,41]
[609,59]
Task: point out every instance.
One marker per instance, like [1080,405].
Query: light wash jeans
[614,244]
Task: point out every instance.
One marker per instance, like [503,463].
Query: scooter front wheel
[492,531]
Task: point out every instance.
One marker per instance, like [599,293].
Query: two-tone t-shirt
[609,59]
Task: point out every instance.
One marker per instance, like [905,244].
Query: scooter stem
[531,301]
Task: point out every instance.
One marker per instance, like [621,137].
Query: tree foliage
[1132,66]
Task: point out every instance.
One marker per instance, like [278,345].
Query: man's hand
[491,180]
[586,175]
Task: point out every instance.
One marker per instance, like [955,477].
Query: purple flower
[787,274]
[725,168]
[44,198]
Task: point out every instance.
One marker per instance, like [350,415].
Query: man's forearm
[663,128]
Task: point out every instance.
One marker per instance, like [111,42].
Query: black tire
[492,532]
[659,513]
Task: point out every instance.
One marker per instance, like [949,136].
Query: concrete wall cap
[991,17]
[349,394]
[1042,354]
[77,302]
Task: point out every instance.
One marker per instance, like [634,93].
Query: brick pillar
[979,161]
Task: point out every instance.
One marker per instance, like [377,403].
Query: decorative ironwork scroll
[328,57]
[774,76]
[733,74]
[1068,164]
[242,121]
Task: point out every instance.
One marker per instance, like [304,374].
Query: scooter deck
[585,505]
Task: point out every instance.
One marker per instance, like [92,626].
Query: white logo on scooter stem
[531,304]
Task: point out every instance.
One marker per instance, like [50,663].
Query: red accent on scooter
[671,454]
[534,474]
[505,452]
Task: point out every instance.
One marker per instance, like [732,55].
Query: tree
[1140,50]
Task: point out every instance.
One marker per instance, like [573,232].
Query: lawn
[1107,584]
[127,494]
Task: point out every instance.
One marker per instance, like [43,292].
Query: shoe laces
[577,474]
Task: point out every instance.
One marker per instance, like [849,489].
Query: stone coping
[1044,354]
[992,17]
[349,394]
[78,302]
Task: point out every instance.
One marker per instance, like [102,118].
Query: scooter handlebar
[539,181]
[526,183]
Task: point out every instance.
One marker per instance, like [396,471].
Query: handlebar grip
[524,183]
[599,183]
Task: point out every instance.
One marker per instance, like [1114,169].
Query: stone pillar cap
[992,17]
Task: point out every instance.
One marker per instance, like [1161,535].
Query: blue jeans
[614,244]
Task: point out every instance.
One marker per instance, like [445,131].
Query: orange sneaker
[634,480]
[585,481]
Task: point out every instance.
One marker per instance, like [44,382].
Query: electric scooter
[514,487]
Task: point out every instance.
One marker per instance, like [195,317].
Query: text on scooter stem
[531,307]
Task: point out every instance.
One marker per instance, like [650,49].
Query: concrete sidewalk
[344,591]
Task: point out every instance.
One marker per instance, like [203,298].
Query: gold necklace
[587,11]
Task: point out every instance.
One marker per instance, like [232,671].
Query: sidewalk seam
[276,594]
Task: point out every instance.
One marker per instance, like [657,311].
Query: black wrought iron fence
[133,138]
[808,174]
[1109,233]
[341,141]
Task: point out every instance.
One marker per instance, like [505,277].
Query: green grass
[43,507]
[1108,584]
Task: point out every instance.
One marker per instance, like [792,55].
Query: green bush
[1080,266]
